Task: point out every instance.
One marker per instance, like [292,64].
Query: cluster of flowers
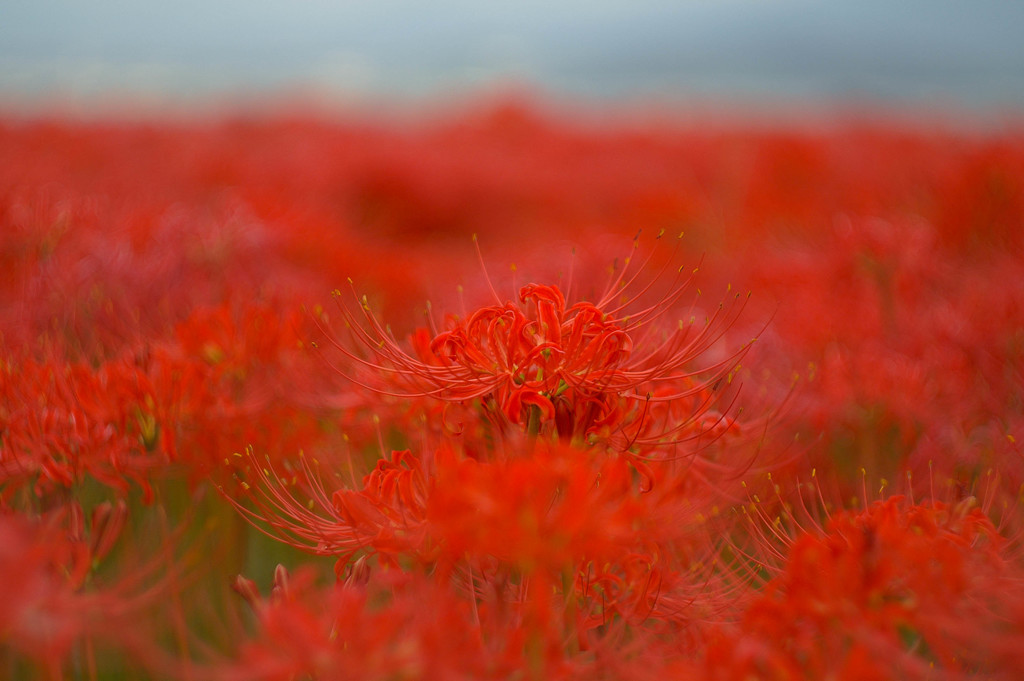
[592,473]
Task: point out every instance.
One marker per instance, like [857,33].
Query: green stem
[569,595]
[533,422]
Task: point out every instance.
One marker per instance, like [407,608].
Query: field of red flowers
[501,393]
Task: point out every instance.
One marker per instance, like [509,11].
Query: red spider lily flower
[386,515]
[389,512]
[537,512]
[239,341]
[920,365]
[402,625]
[393,627]
[50,601]
[897,591]
[553,524]
[579,525]
[61,421]
[259,388]
[577,370]
[226,377]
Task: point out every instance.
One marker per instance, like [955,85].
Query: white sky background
[966,52]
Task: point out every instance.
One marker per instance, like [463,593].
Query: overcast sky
[971,52]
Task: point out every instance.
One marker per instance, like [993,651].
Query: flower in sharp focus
[583,371]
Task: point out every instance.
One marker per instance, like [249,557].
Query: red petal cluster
[897,591]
